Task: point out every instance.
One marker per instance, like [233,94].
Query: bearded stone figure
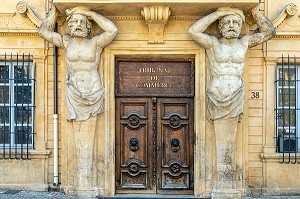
[85,91]
[225,90]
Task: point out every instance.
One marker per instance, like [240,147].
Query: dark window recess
[17,84]
[287,110]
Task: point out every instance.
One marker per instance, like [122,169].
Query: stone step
[151,196]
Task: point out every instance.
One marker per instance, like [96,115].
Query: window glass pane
[23,135]
[4,74]
[286,131]
[23,94]
[288,77]
[4,115]
[286,118]
[4,94]
[4,135]
[23,115]
[23,73]
[286,97]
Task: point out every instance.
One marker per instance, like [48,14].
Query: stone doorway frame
[115,51]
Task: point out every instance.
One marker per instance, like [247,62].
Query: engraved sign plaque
[155,78]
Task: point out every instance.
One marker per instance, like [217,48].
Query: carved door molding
[154,145]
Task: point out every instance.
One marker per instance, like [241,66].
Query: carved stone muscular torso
[226,57]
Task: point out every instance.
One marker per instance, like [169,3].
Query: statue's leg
[84,133]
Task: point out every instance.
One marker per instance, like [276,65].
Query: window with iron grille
[17,85]
[287,109]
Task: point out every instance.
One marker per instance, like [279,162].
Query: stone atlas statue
[84,87]
[225,90]
[85,91]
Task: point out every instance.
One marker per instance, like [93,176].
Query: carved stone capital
[271,61]
[156,17]
[288,11]
[24,9]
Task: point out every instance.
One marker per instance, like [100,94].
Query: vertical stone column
[225,135]
[84,134]
[269,103]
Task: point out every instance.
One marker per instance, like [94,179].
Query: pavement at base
[18,194]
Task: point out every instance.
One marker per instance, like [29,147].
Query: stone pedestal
[84,136]
[225,133]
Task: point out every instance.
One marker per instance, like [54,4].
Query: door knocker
[175,145]
[134,144]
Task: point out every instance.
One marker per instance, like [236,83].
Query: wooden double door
[154,145]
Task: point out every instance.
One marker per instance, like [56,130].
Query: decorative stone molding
[288,11]
[24,9]
[31,34]
[133,18]
[156,17]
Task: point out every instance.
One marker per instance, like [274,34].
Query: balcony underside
[134,7]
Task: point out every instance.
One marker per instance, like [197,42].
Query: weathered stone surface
[85,91]
[225,92]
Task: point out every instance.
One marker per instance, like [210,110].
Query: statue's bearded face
[230,26]
[79,25]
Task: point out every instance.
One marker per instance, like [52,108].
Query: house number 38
[255,95]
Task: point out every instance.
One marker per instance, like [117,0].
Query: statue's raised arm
[47,27]
[265,27]
[198,28]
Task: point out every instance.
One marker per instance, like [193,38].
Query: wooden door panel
[154,145]
[175,139]
[132,139]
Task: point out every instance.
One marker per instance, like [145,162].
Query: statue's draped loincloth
[82,106]
[224,107]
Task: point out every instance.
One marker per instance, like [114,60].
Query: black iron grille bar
[287,110]
[296,112]
[17,83]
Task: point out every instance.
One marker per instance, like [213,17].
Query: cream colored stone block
[256,78]
[255,148]
[255,172]
[255,130]
[256,61]
[254,157]
[255,112]
[255,103]
[255,54]
[255,70]
[255,181]
[255,139]
[255,164]
[253,87]
[255,121]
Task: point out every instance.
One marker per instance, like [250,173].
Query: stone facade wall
[260,170]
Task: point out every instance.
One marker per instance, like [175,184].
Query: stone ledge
[31,187]
[278,157]
[33,154]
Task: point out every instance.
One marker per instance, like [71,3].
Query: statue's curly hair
[71,12]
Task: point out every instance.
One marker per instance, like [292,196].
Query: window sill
[269,155]
[280,157]
[32,154]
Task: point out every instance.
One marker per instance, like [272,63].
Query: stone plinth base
[226,194]
[84,192]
